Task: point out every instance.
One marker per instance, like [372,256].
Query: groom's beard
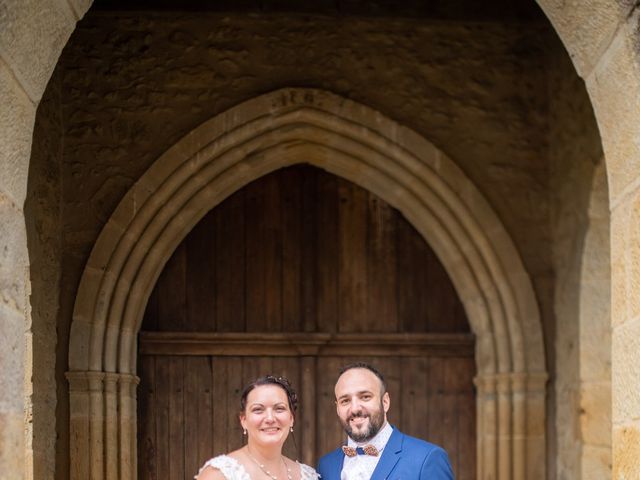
[376,421]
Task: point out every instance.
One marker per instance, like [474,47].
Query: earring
[291,428]
[244,432]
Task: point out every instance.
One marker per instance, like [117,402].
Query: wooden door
[298,274]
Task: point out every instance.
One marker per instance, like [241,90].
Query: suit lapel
[336,466]
[390,456]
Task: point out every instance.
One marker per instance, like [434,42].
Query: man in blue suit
[375,450]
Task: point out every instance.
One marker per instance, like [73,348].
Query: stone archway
[352,141]
[601,38]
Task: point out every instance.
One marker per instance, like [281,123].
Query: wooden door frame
[352,141]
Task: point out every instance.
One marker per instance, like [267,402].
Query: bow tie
[366,450]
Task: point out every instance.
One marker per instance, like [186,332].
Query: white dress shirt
[361,467]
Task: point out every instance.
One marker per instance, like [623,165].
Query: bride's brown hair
[281,382]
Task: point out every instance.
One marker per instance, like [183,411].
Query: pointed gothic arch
[352,141]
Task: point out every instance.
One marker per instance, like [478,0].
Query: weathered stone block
[14,262]
[625,374]
[12,333]
[633,255]
[596,462]
[16,124]
[595,413]
[615,92]
[619,296]
[11,445]
[585,26]
[626,451]
[32,36]
[80,7]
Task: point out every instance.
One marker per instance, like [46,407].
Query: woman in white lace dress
[267,414]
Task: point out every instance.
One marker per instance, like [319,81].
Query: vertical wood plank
[353,288]
[196,438]
[290,187]
[452,378]
[172,292]
[435,406]
[309,249]
[176,418]
[415,388]
[147,444]
[328,429]
[201,276]
[220,401]
[307,424]
[151,314]
[204,404]
[163,450]
[263,256]
[413,295]
[234,390]
[229,260]
[466,416]
[382,310]
[328,314]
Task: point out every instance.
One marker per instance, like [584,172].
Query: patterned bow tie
[366,450]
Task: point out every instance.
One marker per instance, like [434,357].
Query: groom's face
[361,404]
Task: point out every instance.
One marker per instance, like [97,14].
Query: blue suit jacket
[404,457]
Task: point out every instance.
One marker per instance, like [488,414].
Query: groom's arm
[436,466]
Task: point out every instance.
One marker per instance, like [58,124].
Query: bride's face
[267,417]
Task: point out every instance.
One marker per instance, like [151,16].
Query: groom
[375,450]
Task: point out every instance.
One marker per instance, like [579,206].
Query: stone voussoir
[32,36]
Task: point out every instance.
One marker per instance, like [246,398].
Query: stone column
[103,431]
[487,427]
[511,420]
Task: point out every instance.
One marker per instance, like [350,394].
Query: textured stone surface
[625,376]
[574,155]
[31,38]
[161,76]
[596,463]
[16,121]
[586,27]
[626,452]
[595,414]
[11,445]
[12,329]
[42,213]
[615,91]
[80,7]
[13,258]
[633,255]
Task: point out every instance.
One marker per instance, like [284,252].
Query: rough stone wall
[44,240]
[595,336]
[574,152]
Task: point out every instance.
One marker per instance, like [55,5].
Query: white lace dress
[233,470]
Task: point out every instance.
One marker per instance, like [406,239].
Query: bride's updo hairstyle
[281,382]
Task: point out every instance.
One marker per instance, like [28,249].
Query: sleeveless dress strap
[230,467]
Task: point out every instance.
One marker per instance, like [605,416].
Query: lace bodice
[233,470]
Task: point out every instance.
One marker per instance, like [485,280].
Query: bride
[267,413]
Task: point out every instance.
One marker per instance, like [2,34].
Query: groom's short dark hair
[366,366]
